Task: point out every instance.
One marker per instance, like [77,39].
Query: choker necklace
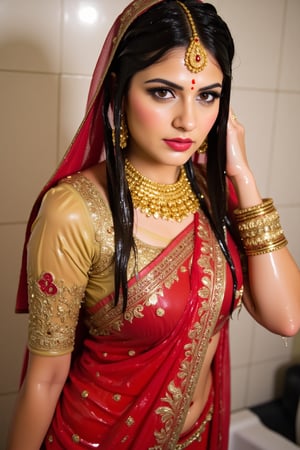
[165,201]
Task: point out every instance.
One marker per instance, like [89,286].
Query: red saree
[132,385]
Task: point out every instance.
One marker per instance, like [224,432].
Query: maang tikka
[195,56]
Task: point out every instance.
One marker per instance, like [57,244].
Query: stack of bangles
[260,229]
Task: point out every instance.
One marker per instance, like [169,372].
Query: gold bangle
[260,229]
[258,225]
[268,248]
[261,209]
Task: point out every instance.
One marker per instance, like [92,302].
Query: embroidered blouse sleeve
[60,254]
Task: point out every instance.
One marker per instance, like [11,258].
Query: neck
[158,173]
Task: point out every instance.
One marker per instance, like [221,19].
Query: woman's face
[169,112]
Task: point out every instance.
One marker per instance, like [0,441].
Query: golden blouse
[70,262]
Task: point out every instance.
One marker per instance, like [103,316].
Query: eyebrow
[180,88]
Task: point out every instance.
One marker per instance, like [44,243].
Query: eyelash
[214,95]
[154,92]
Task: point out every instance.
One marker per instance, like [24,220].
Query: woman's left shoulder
[97,175]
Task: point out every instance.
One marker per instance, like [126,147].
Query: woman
[133,249]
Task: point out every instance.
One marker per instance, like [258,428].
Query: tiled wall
[47,52]
[266,97]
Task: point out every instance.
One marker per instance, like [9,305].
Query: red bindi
[193,82]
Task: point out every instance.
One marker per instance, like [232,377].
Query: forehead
[172,67]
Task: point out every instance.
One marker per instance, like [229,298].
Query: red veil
[79,154]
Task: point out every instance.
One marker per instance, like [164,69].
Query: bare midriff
[203,387]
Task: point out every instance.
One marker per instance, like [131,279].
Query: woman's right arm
[60,253]
[37,399]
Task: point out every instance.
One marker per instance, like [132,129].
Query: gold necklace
[165,201]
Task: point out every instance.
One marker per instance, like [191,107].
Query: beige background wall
[47,52]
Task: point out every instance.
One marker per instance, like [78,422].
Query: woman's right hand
[45,378]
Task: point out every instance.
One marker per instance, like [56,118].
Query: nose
[185,116]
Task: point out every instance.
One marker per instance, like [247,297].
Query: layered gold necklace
[165,201]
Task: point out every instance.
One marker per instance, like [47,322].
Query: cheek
[207,125]
[210,120]
[141,113]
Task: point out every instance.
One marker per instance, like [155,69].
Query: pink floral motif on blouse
[46,284]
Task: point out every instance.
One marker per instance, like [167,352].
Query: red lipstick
[179,144]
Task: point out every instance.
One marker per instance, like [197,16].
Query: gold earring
[113,136]
[203,147]
[123,134]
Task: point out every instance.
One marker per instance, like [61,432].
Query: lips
[179,144]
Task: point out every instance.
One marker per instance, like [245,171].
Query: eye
[161,93]
[209,97]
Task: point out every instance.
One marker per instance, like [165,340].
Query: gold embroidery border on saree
[210,294]
[161,273]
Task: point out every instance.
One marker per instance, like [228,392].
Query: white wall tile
[256,27]
[13,330]
[290,221]
[28,116]
[73,97]
[30,35]
[239,384]
[290,67]
[7,403]
[263,381]
[241,338]
[268,346]
[86,23]
[255,110]
[285,180]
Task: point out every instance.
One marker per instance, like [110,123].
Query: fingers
[232,119]
[236,150]
[235,126]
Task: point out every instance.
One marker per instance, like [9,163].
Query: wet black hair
[154,33]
